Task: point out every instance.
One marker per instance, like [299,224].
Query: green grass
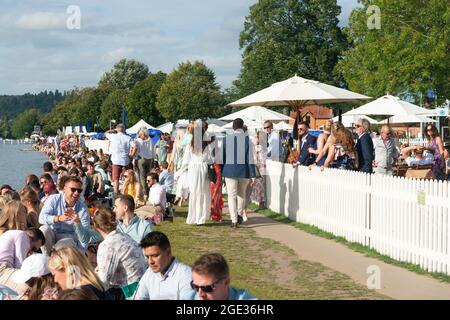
[352,245]
[267,269]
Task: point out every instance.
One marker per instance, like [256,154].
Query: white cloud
[42,21]
[117,54]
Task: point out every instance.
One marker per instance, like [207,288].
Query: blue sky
[38,51]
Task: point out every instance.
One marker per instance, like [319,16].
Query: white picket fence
[380,212]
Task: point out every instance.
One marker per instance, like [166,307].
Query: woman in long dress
[196,160]
[181,188]
[216,195]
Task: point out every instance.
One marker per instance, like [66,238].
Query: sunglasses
[148,181]
[207,289]
[266,128]
[76,190]
[357,126]
[301,129]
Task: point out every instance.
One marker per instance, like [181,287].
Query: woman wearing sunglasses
[130,185]
[436,147]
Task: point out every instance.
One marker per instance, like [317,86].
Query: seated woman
[71,269]
[13,217]
[130,185]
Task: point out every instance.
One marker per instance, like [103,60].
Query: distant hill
[11,106]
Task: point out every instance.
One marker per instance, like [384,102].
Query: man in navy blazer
[238,169]
[364,146]
[306,141]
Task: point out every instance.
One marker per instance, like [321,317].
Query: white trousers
[237,191]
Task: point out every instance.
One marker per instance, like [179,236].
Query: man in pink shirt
[15,246]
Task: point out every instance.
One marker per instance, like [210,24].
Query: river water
[17,161]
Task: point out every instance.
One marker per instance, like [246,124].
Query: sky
[38,51]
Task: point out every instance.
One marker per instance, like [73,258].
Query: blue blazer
[364,147]
[241,163]
[304,157]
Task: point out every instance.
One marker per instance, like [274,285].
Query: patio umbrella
[349,120]
[408,120]
[282,126]
[257,113]
[298,92]
[388,106]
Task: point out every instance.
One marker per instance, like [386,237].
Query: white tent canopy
[257,113]
[349,120]
[141,123]
[166,127]
[388,106]
[213,128]
[408,119]
[298,91]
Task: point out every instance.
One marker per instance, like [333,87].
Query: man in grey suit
[238,169]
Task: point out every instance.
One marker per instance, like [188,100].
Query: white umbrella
[400,119]
[298,92]
[214,128]
[251,124]
[388,106]
[217,122]
[141,123]
[282,126]
[166,127]
[257,113]
[349,120]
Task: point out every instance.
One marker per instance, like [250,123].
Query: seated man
[15,246]
[127,222]
[167,278]
[211,280]
[56,214]
[419,157]
[165,177]
[156,204]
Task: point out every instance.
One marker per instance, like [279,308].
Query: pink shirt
[14,247]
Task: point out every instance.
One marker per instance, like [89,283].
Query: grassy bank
[267,269]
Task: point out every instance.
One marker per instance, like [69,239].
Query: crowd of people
[85,229]
[337,147]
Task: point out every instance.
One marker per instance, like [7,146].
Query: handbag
[212,176]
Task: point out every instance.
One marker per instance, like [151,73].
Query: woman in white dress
[197,157]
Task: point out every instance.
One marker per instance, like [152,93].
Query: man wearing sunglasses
[55,216]
[364,146]
[211,280]
[386,152]
[307,141]
[275,148]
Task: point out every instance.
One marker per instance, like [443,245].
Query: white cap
[35,265]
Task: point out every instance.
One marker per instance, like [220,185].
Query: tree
[141,102]
[24,123]
[89,102]
[124,75]
[5,128]
[284,37]
[190,92]
[112,107]
[407,56]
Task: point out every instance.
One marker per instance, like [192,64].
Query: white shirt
[119,148]
[426,160]
[275,148]
[120,260]
[157,195]
[175,284]
[145,148]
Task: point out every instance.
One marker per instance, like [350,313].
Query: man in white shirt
[275,148]
[156,204]
[120,151]
[419,158]
[166,278]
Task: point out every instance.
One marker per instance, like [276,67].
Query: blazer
[238,161]
[364,147]
[304,157]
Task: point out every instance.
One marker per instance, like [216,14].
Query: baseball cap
[35,265]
